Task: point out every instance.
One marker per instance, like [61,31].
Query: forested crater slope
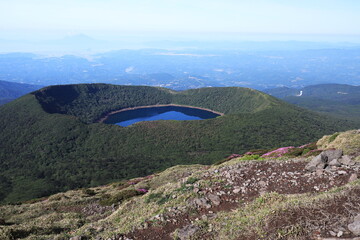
[89,102]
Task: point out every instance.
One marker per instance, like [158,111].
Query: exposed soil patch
[324,219]
[232,186]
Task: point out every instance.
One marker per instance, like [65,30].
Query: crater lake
[126,118]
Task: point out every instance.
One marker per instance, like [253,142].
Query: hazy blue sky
[314,17]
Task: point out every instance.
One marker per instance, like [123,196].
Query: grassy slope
[43,153]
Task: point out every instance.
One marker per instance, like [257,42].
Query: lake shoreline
[102,119]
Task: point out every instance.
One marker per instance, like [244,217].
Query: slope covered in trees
[339,100]
[50,140]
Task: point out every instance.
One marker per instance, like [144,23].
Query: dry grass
[348,141]
[64,214]
[275,216]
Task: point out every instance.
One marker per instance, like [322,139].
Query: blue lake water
[129,117]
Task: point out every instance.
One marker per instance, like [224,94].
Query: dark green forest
[50,140]
[345,109]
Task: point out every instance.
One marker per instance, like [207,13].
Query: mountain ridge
[12,90]
[63,98]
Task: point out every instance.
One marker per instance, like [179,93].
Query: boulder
[201,203]
[318,162]
[346,160]
[353,177]
[186,232]
[324,159]
[332,154]
[355,226]
[215,199]
[335,163]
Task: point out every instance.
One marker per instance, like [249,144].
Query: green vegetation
[119,197]
[159,198]
[333,137]
[185,188]
[339,100]
[89,192]
[89,102]
[348,141]
[61,148]
[89,212]
[251,157]
[191,180]
[334,107]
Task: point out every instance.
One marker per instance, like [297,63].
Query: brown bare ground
[283,177]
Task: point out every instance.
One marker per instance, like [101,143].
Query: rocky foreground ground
[289,193]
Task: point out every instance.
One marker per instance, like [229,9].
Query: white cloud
[129,69]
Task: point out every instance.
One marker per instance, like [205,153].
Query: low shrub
[108,200]
[258,151]
[311,146]
[251,157]
[185,187]
[333,137]
[120,185]
[152,197]
[88,192]
[159,198]
[232,156]
[306,150]
[191,180]
[312,153]
[221,161]
[294,152]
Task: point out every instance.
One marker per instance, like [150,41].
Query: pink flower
[278,152]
